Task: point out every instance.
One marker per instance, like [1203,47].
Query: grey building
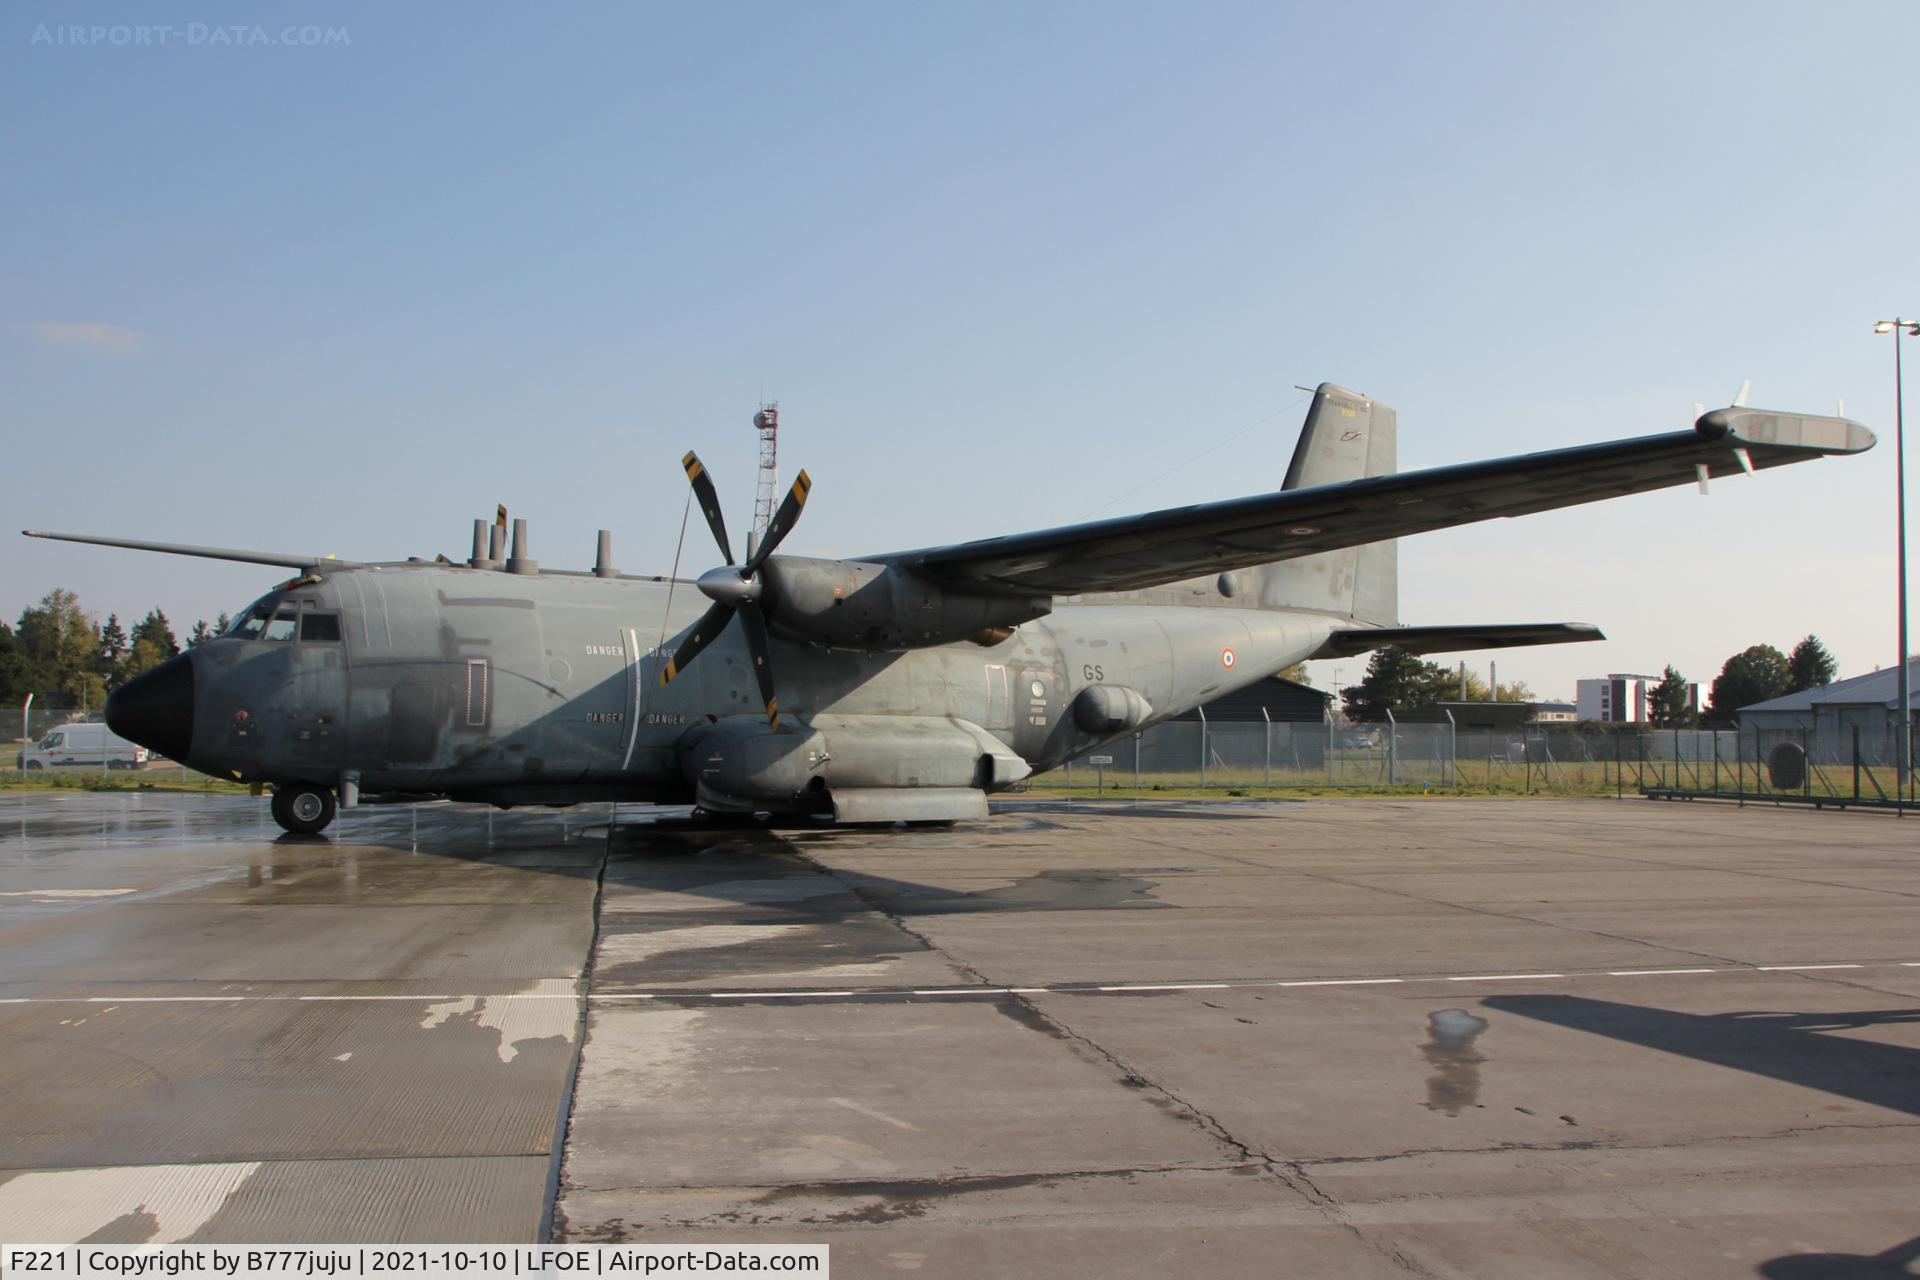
[1284,701]
[1869,703]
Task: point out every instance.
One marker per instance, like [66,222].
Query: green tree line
[59,651]
[1399,682]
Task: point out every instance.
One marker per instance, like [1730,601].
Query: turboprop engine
[853,604]
[839,604]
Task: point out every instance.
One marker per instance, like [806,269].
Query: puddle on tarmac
[1455,1082]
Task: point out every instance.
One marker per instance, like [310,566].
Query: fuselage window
[320,626]
[282,626]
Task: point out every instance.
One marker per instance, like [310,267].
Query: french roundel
[1226,658]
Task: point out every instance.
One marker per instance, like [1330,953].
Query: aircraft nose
[155,708]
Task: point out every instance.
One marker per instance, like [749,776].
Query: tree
[1810,666]
[156,628]
[1510,690]
[1755,674]
[61,645]
[113,648]
[1397,681]
[13,669]
[1667,704]
[200,634]
[1296,673]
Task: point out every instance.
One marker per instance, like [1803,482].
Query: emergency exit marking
[1226,659]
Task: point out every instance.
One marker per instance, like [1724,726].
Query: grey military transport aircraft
[910,684]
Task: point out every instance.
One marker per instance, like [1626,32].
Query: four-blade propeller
[736,588]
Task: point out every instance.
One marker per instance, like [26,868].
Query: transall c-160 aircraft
[904,686]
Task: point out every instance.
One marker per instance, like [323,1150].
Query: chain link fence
[1566,759]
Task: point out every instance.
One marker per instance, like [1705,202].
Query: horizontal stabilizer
[1349,641]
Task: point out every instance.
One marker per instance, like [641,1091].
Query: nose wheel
[303,808]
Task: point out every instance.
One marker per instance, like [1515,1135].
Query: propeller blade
[709,502]
[783,521]
[704,633]
[753,624]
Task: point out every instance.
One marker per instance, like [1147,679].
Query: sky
[341,277]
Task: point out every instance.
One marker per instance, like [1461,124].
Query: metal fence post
[1269,720]
[1393,750]
[1136,762]
[1856,762]
[1202,713]
[1619,778]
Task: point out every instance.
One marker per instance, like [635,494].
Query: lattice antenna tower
[766,424]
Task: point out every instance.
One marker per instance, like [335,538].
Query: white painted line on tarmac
[64,893]
[1504,977]
[290,999]
[898,993]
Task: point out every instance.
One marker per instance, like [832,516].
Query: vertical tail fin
[1346,437]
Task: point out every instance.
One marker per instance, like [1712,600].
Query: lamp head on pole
[1888,326]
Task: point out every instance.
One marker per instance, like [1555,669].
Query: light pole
[1901,328]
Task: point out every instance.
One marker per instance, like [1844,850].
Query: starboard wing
[1184,542]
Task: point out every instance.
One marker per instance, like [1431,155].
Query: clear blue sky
[1000,264]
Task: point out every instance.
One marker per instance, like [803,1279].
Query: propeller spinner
[735,588]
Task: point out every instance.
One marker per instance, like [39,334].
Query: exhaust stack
[519,561]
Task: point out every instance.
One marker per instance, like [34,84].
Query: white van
[84,743]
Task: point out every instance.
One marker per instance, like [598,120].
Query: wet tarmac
[1347,1038]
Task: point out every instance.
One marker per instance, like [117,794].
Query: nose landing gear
[303,808]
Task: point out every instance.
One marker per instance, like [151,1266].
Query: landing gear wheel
[303,808]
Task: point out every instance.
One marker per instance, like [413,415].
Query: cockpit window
[319,626]
[282,625]
[251,623]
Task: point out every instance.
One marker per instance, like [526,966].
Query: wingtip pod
[1799,431]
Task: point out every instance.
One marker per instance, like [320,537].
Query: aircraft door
[309,737]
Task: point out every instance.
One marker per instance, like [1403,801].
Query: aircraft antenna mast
[766,425]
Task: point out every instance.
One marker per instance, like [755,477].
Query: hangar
[1869,703]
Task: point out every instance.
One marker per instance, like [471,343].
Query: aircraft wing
[207,553]
[1166,546]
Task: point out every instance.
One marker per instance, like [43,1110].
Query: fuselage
[545,688]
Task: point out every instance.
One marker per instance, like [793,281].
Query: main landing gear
[303,808]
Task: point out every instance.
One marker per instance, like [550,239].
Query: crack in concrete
[1601,1144]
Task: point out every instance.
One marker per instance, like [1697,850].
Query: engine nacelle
[854,604]
[1106,709]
